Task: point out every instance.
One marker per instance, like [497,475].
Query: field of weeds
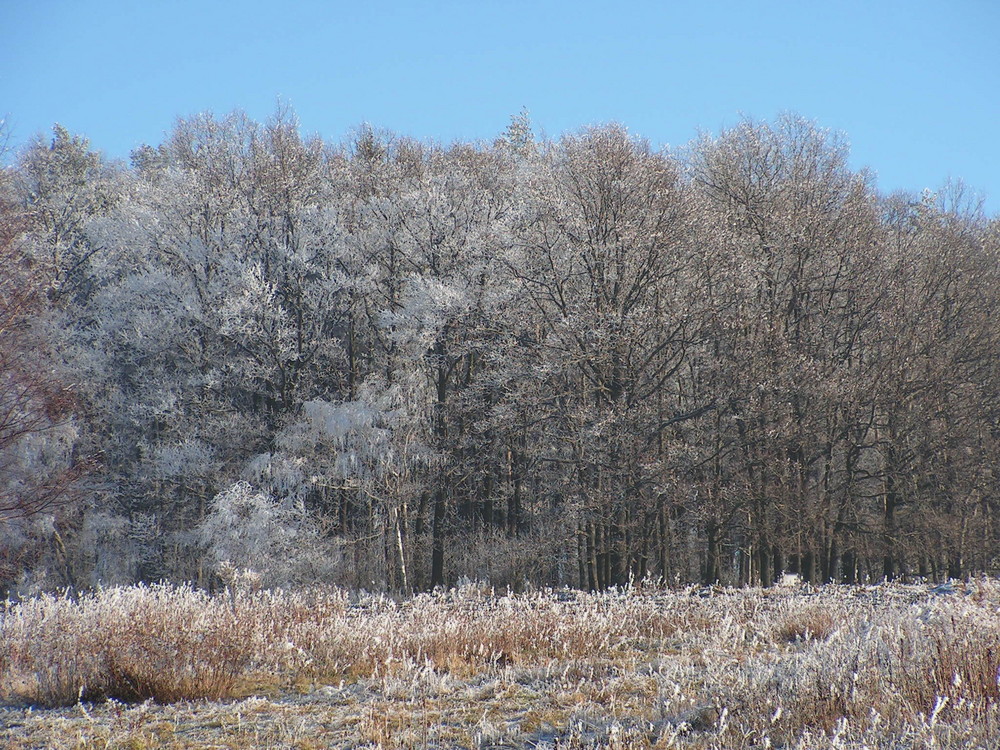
[888,666]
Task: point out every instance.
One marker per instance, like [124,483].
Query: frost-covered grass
[888,666]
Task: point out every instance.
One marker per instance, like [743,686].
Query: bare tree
[33,401]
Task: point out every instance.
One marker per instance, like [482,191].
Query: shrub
[133,643]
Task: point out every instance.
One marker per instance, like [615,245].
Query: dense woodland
[391,364]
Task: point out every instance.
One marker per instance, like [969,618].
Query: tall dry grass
[162,642]
[728,668]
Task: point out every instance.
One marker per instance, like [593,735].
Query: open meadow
[886,666]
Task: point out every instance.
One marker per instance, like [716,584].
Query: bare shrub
[134,643]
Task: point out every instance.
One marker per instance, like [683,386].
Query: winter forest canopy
[391,364]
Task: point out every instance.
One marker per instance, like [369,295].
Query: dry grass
[875,667]
[809,623]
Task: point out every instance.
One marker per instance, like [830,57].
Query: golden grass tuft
[810,623]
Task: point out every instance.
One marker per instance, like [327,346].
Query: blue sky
[915,85]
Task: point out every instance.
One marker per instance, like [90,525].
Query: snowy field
[887,666]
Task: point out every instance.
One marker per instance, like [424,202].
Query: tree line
[393,364]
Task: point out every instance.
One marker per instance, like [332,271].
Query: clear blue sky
[915,85]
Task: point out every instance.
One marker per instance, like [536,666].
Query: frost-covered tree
[798,238]
[278,540]
[39,470]
[390,363]
[604,260]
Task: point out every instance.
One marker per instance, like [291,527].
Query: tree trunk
[437,542]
